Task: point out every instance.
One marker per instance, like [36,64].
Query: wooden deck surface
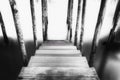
[58,60]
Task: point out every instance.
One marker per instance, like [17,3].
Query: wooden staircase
[58,60]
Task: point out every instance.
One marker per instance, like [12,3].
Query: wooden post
[82,24]
[33,22]
[6,40]
[96,33]
[109,41]
[69,19]
[77,22]
[18,29]
[44,19]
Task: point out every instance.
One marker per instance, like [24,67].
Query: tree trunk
[44,19]
[6,40]
[34,22]
[97,31]
[69,19]
[18,30]
[77,23]
[109,41]
[82,24]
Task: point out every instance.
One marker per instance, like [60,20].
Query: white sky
[57,14]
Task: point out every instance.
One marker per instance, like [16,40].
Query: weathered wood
[109,40]
[82,25]
[61,55]
[69,73]
[42,67]
[58,61]
[75,64]
[56,43]
[77,23]
[15,13]
[58,52]
[32,71]
[58,48]
[34,22]
[44,19]
[69,19]
[6,40]
[97,32]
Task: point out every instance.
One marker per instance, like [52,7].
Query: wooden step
[57,43]
[57,52]
[62,55]
[62,78]
[57,61]
[57,58]
[28,73]
[58,48]
[75,64]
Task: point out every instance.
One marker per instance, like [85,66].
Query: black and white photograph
[59,39]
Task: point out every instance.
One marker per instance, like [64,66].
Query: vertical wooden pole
[97,32]
[69,19]
[33,22]
[44,19]
[18,29]
[109,41]
[6,40]
[82,24]
[77,22]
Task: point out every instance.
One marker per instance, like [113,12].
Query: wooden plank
[38,59]
[58,48]
[43,61]
[61,64]
[67,78]
[33,72]
[57,52]
[54,55]
[57,43]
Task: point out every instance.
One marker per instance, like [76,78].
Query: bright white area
[91,14]
[38,19]
[75,7]
[57,15]
[7,18]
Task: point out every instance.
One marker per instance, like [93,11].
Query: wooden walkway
[58,60]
